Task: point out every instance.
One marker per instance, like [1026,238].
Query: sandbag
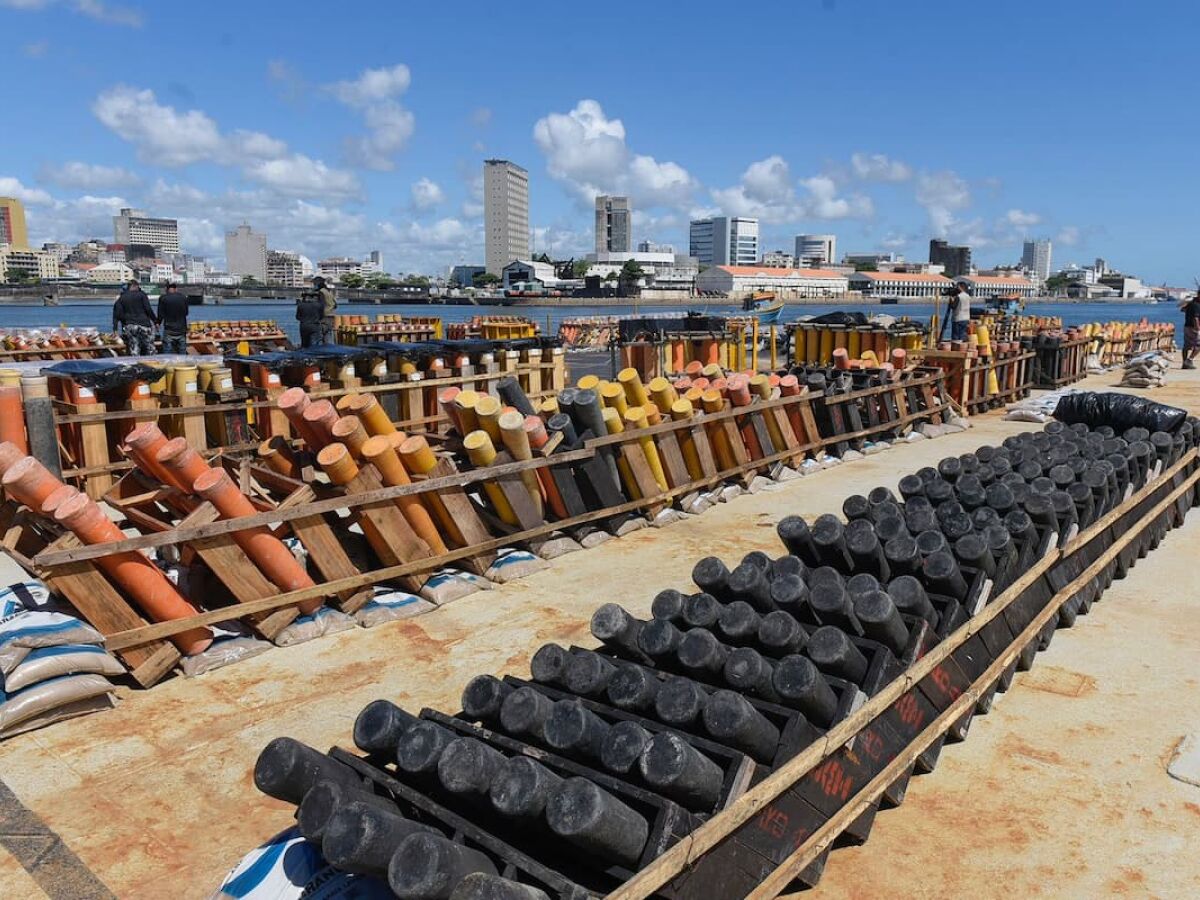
[222,652]
[513,564]
[287,867]
[66,659]
[72,710]
[26,630]
[1121,411]
[47,695]
[388,605]
[557,545]
[325,620]
[447,585]
[23,595]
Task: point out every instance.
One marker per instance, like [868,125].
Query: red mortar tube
[143,444]
[139,577]
[30,482]
[183,463]
[899,358]
[293,402]
[535,430]
[789,386]
[9,454]
[268,552]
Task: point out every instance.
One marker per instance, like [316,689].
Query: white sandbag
[325,620]
[665,517]
[222,652]
[66,659]
[21,595]
[47,695]
[556,546]
[448,585]
[595,539]
[99,703]
[630,525]
[388,605]
[287,867]
[513,564]
[26,630]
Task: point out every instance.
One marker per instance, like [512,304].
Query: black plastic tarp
[1120,411]
[308,356]
[103,374]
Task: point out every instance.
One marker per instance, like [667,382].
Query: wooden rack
[969,374]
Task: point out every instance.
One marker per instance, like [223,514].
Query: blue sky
[362,126]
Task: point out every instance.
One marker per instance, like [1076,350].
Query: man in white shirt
[962,314]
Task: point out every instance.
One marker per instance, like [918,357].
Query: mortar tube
[378,451]
[653,416]
[516,442]
[30,482]
[881,621]
[748,671]
[482,454]
[681,411]
[374,417]
[464,404]
[271,454]
[56,499]
[662,394]
[11,453]
[714,403]
[614,627]
[345,404]
[509,390]
[614,425]
[467,766]
[132,571]
[419,459]
[633,688]
[561,422]
[287,770]
[731,719]
[622,747]
[547,407]
[780,634]
[183,463]
[267,551]
[588,383]
[488,411]
[575,731]
[378,727]
[483,698]
[445,400]
[292,404]
[349,430]
[673,767]
[535,432]
[831,650]
[613,395]
[320,416]
[341,468]
[631,382]
[595,820]
[325,798]
[635,419]
[426,865]
[521,788]
[801,686]
[143,444]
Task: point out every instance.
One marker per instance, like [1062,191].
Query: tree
[866,267]
[251,281]
[351,281]
[611,276]
[18,276]
[416,281]
[484,279]
[379,282]
[579,268]
[1057,283]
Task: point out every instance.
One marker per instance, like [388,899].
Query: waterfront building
[57,250]
[724,241]
[652,247]
[133,226]
[112,253]
[110,273]
[31,263]
[613,225]
[983,287]
[1035,257]
[505,214]
[876,259]
[1126,286]
[246,253]
[789,283]
[899,284]
[664,270]
[283,268]
[528,272]
[464,276]
[373,264]
[12,223]
[778,259]
[335,267]
[192,269]
[816,250]
[956,259]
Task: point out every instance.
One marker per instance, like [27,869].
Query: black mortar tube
[866,551]
[797,537]
[801,686]
[903,555]
[511,394]
[633,688]
[750,583]
[428,867]
[659,639]
[521,788]
[324,799]
[738,624]
[701,610]
[910,598]
[379,726]
[789,593]
[614,627]
[421,747]
[623,746]
[549,665]
[680,702]
[286,769]
[943,576]
[467,765]
[731,720]
[831,605]
[973,550]
[361,838]
[575,731]
[701,654]
[881,621]
[779,634]
[748,671]
[673,767]
[524,713]
[830,537]
[712,577]
[832,652]
[856,506]
[588,674]
[598,822]
[667,604]
[483,697]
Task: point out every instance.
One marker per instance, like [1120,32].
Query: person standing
[310,311]
[962,314]
[134,320]
[173,316]
[1191,331]
[328,308]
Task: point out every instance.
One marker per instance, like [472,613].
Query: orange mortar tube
[349,430]
[293,402]
[320,416]
[420,460]
[378,451]
[143,443]
[694,368]
[789,386]
[653,414]
[740,396]
[341,468]
[482,454]
[374,417]
[9,454]
[268,552]
[271,452]
[516,442]
[12,412]
[899,358]
[56,498]
[133,572]
[30,482]
[535,432]
[681,411]
[635,419]
[446,402]
[715,403]
[345,404]
[183,463]
[614,425]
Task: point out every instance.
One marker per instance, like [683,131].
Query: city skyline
[340,158]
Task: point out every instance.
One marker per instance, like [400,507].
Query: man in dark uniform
[134,320]
[172,315]
[1191,331]
[309,313]
[328,308]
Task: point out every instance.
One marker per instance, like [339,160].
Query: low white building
[524,271]
[788,283]
[662,269]
[110,273]
[334,268]
[899,284]
[778,259]
[984,286]
[32,263]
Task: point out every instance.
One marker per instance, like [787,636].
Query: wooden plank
[672,459]
[93,447]
[635,458]
[465,516]
[391,537]
[704,451]
[325,550]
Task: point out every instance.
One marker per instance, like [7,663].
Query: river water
[98,314]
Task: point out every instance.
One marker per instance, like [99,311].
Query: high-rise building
[373,264]
[724,241]
[12,223]
[505,214]
[284,268]
[816,250]
[956,259]
[133,226]
[613,231]
[246,253]
[1036,258]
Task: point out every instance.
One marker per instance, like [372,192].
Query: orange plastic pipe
[56,498]
[12,416]
[268,552]
[183,463]
[349,430]
[374,417]
[144,442]
[9,454]
[378,451]
[535,431]
[30,482]
[320,417]
[292,403]
[270,452]
[420,460]
[132,571]
[345,404]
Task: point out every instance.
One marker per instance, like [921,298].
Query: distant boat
[764,306]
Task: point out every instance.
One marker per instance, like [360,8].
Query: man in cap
[328,308]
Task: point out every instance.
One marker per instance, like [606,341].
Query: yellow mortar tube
[588,383]
[419,459]
[612,422]
[613,395]
[378,451]
[465,402]
[715,403]
[516,442]
[761,385]
[374,417]
[663,393]
[681,411]
[488,410]
[631,381]
[635,419]
[482,453]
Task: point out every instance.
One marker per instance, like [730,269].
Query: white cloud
[93,9]
[88,176]
[373,93]
[299,176]
[586,151]
[942,194]
[11,187]
[1021,219]
[426,194]
[768,192]
[1068,235]
[201,237]
[878,167]
[824,203]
